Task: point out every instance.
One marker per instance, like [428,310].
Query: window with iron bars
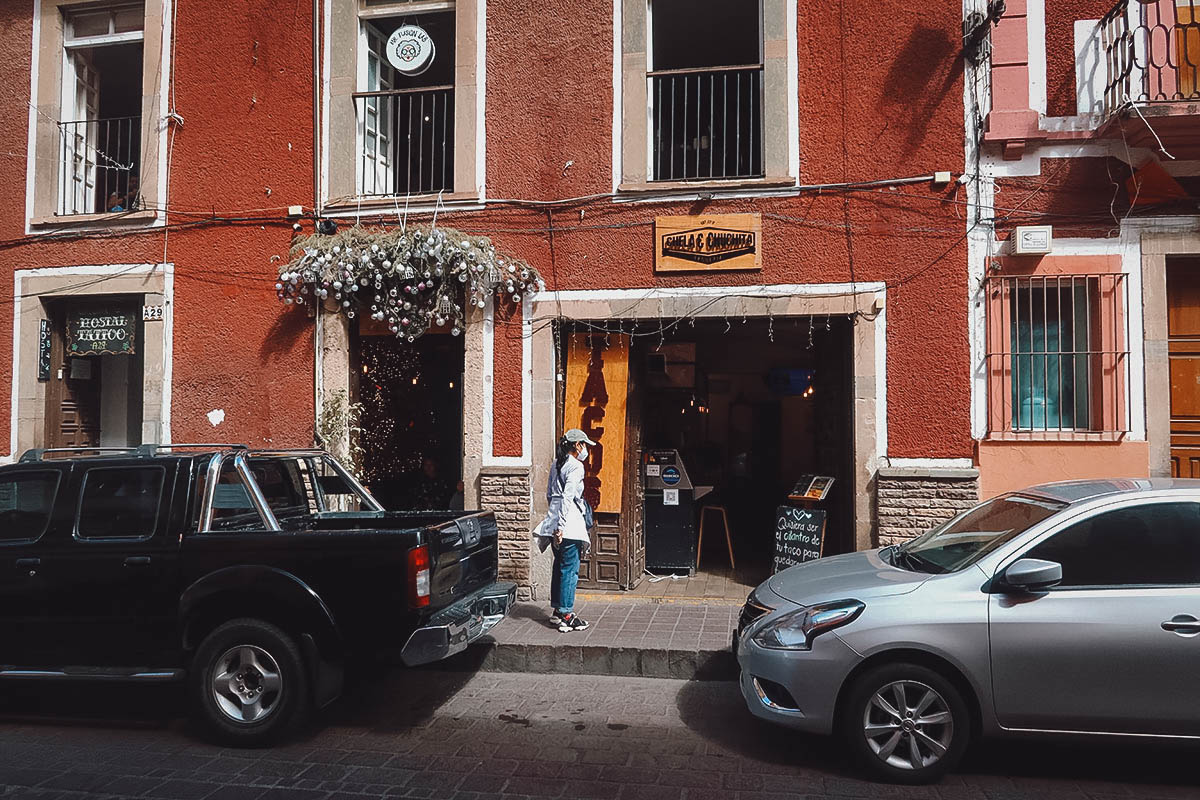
[1057,356]
[405,122]
[706,89]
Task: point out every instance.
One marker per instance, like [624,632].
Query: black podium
[669,515]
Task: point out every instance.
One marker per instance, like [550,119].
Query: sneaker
[555,619]
[572,622]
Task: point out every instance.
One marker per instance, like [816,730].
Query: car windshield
[970,536]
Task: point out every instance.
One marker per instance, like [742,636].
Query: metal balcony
[707,123]
[99,165]
[406,141]
[1151,53]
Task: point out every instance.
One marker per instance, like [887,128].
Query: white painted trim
[544,305]
[881,385]
[481,98]
[1030,164]
[649,32]
[793,96]
[164,107]
[490,459]
[99,41]
[31,144]
[930,463]
[618,93]
[110,270]
[326,99]
[1036,28]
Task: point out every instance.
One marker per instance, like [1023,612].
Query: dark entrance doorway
[412,433]
[750,407]
[94,399]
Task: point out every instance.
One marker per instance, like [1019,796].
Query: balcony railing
[406,141]
[100,165]
[1151,52]
[707,123]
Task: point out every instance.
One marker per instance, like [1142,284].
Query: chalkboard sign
[44,350]
[799,536]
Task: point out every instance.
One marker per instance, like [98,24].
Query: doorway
[751,407]
[411,422]
[1183,347]
[95,372]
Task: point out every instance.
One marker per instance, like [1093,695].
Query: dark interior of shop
[751,407]
[411,420]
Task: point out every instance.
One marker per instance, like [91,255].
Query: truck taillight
[418,576]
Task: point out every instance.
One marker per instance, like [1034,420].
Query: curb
[595,597]
[630,662]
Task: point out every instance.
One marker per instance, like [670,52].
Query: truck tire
[249,683]
[905,723]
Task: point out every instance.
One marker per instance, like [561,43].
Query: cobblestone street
[431,734]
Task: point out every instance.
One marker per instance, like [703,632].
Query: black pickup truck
[253,575]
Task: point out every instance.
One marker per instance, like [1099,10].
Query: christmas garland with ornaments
[410,279]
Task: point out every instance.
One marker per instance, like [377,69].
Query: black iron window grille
[99,165]
[1151,52]
[1057,356]
[708,122]
[407,141]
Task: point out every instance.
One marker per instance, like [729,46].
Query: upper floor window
[101,110]
[706,89]
[707,92]
[1058,355]
[404,108]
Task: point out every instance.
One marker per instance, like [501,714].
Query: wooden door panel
[1183,346]
[72,404]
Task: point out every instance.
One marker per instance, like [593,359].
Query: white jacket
[564,496]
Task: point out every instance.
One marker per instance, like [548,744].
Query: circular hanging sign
[410,50]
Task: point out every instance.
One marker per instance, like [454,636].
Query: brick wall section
[507,494]
[911,501]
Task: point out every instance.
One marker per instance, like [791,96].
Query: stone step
[699,665]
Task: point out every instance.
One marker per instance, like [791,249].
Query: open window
[706,89]
[406,115]
[100,124]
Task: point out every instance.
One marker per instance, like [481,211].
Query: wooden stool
[728,539]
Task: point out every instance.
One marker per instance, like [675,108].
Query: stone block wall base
[506,493]
[909,502]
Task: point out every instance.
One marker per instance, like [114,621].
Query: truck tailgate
[464,557]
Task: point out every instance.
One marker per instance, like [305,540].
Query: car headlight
[797,629]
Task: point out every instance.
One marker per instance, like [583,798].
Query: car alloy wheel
[247,684]
[908,725]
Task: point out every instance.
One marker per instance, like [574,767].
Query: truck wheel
[905,723]
[249,682]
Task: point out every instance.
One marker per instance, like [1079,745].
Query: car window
[1149,545]
[26,502]
[970,536]
[233,510]
[282,485]
[120,502]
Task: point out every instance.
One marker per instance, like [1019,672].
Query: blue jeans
[566,576]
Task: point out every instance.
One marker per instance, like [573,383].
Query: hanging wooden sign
[597,384]
[708,242]
[44,350]
[101,332]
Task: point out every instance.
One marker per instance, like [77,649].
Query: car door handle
[137,561]
[27,563]
[1182,623]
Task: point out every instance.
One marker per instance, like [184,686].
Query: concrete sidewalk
[680,638]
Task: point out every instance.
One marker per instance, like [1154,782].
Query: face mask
[583,454]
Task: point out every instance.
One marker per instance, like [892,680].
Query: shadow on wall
[922,73]
[290,329]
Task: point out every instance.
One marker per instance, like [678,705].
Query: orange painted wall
[1006,466]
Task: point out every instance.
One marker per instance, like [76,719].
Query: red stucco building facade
[556,140]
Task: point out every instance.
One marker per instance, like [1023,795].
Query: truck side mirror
[1033,575]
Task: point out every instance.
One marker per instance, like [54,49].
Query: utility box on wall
[1032,240]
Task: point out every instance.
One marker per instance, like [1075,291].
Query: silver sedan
[1064,608]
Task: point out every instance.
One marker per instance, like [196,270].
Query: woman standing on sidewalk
[566,527]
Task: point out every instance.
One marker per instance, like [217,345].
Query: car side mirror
[1033,575]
